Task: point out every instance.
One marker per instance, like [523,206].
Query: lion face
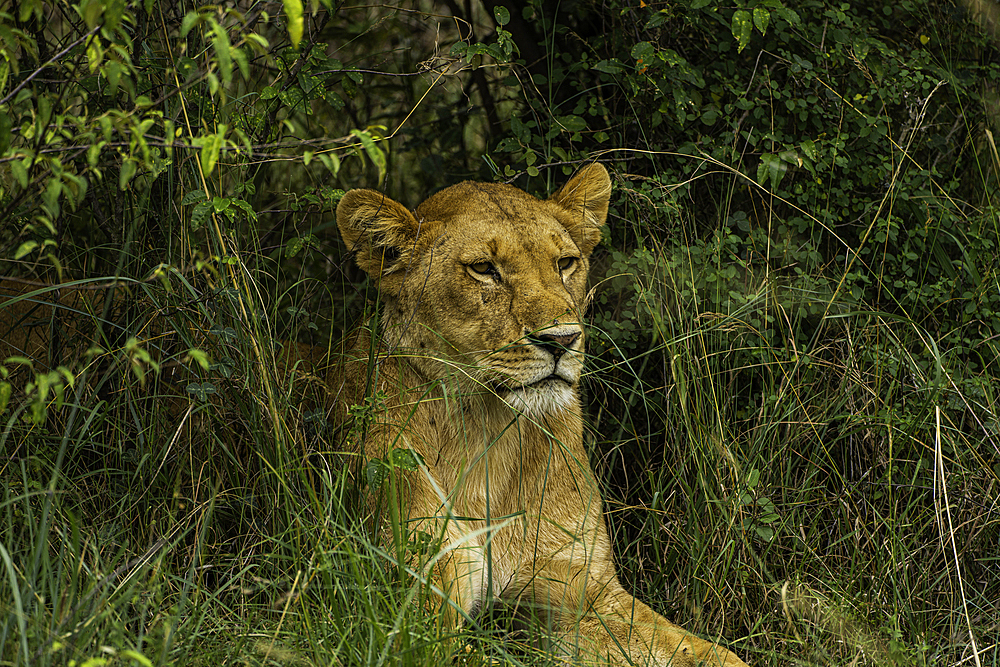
[485,285]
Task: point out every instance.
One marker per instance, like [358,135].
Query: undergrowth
[792,386]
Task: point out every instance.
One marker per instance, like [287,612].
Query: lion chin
[550,395]
[476,364]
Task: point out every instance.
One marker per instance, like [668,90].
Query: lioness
[477,362]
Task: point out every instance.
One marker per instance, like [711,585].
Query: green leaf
[223,51]
[764,532]
[201,391]
[611,66]
[190,19]
[194,197]
[20,173]
[789,15]
[128,654]
[25,248]
[240,56]
[572,123]
[6,123]
[643,53]
[742,28]
[375,153]
[771,168]
[293,13]
[761,17]
[861,48]
[296,244]
[809,148]
[210,147]
[225,334]
[200,214]
[376,471]
[657,19]
[331,161]
[129,167]
[198,356]
[407,459]
[501,14]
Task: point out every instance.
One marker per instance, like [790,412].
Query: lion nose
[554,344]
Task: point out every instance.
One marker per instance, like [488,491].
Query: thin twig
[46,64]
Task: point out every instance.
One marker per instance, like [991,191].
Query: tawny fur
[478,358]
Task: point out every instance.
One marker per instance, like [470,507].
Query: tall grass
[826,498]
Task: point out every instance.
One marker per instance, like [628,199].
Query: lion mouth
[503,389]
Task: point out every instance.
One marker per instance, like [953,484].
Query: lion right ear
[585,196]
[381,232]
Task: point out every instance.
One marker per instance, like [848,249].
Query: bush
[793,401]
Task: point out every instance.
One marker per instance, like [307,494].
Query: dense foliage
[794,397]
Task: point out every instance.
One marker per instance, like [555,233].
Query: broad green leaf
[761,17]
[331,161]
[221,204]
[193,197]
[611,66]
[198,356]
[51,194]
[375,153]
[407,459]
[91,11]
[223,51]
[293,13]
[771,168]
[501,14]
[129,654]
[742,28]
[376,472]
[200,214]
[25,248]
[572,123]
[643,53]
[20,173]
[240,56]
[201,391]
[127,172]
[809,148]
[210,147]
[658,19]
[6,123]
[189,21]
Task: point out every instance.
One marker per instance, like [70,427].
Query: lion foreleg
[600,623]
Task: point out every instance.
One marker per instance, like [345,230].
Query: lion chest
[515,490]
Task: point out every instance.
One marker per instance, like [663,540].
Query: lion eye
[483,268]
[566,263]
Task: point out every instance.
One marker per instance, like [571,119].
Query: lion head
[484,285]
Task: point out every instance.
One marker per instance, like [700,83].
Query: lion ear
[586,197]
[381,232]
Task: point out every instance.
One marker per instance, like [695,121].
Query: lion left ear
[585,197]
